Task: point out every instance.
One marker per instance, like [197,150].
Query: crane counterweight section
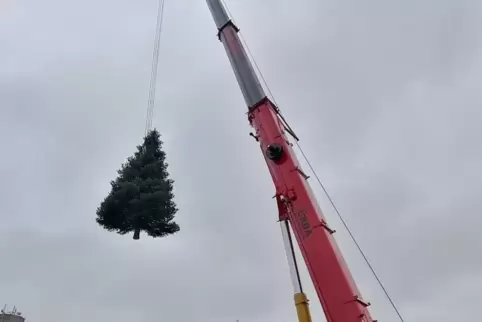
[297,206]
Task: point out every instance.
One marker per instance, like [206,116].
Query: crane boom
[334,284]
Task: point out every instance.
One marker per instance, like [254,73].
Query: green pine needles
[141,197]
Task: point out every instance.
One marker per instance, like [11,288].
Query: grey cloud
[385,96]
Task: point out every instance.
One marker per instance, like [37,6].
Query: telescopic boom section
[333,282]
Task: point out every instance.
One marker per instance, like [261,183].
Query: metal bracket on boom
[303,174]
[324,225]
[286,126]
[362,302]
[228,23]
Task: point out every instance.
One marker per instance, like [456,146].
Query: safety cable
[154,67]
[352,236]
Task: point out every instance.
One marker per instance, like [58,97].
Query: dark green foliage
[141,198]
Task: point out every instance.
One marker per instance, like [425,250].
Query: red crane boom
[336,289]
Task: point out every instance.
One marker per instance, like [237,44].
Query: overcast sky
[386,96]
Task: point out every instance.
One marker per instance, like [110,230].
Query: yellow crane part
[302,308]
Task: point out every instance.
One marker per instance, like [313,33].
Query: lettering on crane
[304,223]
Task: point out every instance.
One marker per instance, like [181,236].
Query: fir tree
[141,197]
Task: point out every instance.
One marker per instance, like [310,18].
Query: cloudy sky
[385,95]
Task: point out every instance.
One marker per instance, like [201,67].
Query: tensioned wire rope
[154,67]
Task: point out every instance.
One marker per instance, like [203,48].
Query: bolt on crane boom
[297,206]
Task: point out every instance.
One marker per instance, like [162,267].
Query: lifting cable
[352,236]
[154,67]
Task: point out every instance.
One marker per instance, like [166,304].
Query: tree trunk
[137,234]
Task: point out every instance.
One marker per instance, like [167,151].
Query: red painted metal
[333,282]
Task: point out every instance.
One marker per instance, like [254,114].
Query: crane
[297,207]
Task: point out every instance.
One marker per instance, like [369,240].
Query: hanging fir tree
[141,197]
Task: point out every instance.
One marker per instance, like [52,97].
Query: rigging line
[352,236]
[154,67]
